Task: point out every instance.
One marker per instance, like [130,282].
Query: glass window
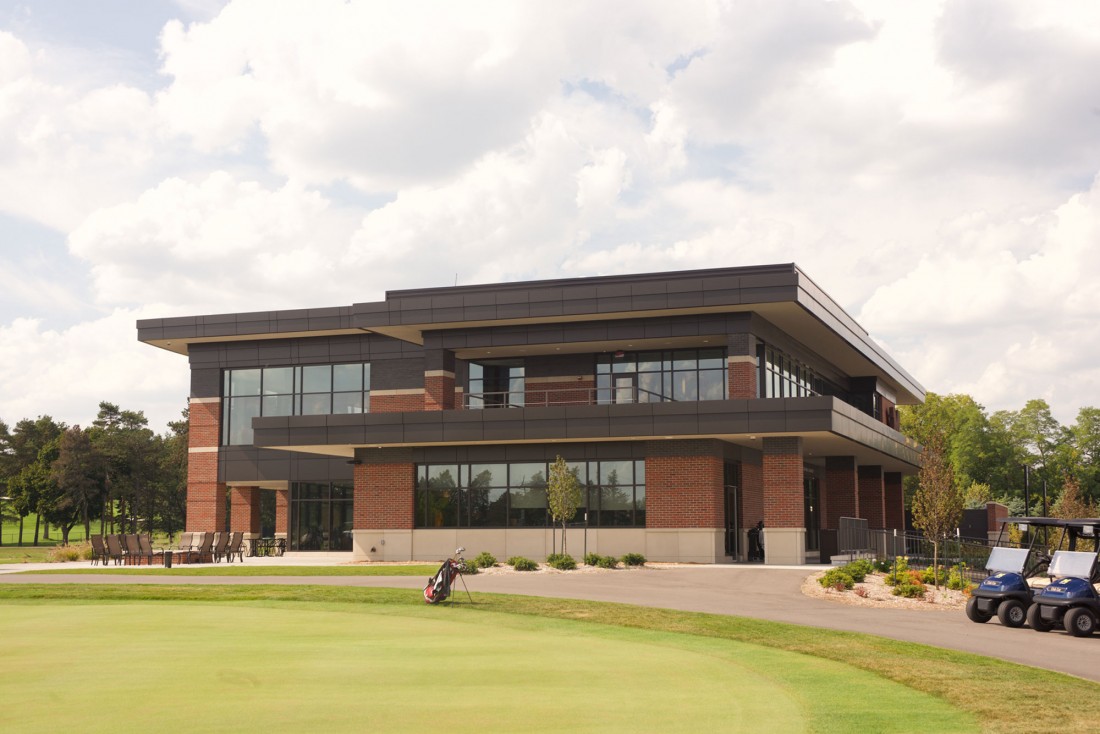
[317,378]
[711,385]
[244,382]
[347,402]
[616,472]
[685,386]
[278,380]
[347,377]
[319,404]
[488,475]
[241,413]
[278,405]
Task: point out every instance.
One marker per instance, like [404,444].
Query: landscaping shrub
[957,580]
[561,561]
[470,569]
[485,559]
[929,575]
[591,559]
[633,559]
[522,564]
[65,553]
[909,589]
[608,562]
[884,565]
[837,578]
[859,569]
[898,570]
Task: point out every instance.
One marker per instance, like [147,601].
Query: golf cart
[1071,599]
[1006,593]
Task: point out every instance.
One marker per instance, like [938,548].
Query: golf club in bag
[440,586]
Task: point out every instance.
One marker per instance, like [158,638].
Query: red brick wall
[684,487]
[244,509]
[439,391]
[205,496]
[784,506]
[872,503]
[402,403]
[282,511]
[384,496]
[752,493]
[840,496]
[742,378]
[561,392]
[894,500]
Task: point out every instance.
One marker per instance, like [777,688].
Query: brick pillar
[439,379]
[741,367]
[282,513]
[752,492]
[894,496]
[841,498]
[784,501]
[385,491]
[244,510]
[872,503]
[684,485]
[205,495]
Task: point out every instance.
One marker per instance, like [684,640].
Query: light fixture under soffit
[619,354]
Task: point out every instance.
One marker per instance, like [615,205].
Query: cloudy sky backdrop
[932,165]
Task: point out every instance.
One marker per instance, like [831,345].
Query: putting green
[341,667]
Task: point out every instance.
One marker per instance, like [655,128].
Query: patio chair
[132,549]
[145,543]
[205,548]
[99,550]
[235,547]
[186,541]
[221,542]
[114,549]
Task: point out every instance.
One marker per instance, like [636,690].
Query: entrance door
[733,511]
[624,388]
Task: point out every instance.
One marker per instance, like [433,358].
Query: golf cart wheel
[1080,622]
[1035,619]
[1012,613]
[975,614]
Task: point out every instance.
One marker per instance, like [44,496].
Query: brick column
[894,500]
[741,366]
[872,503]
[439,379]
[244,510]
[752,492]
[784,502]
[684,485]
[840,496]
[282,513]
[205,496]
[384,491]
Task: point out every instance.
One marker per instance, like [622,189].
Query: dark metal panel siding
[206,382]
[398,373]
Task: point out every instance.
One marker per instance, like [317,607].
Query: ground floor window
[320,516]
[513,494]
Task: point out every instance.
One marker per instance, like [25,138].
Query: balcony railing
[542,398]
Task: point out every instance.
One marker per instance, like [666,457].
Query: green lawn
[379,659]
[353,667]
[239,569]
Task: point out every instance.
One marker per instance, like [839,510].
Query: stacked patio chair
[205,547]
[114,549]
[133,550]
[221,542]
[145,543]
[99,550]
[235,547]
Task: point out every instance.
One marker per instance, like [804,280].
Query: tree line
[1024,459]
[116,473]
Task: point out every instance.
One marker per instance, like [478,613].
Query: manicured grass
[24,554]
[994,694]
[401,666]
[244,569]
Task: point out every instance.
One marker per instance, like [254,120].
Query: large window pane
[616,472]
[347,377]
[317,404]
[685,386]
[712,385]
[278,381]
[710,359]
[488,475]
[241,413]
[347,402]
[528,475]
[317,378]
[488,507]
[244,382]
[278,405]
[616,506]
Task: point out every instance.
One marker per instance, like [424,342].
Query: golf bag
[440,586]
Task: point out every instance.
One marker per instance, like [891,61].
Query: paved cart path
[760,592]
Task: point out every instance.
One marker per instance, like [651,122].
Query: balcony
[544,398]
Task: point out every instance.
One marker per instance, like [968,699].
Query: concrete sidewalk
[762,592]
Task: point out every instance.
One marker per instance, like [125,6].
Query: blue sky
[932,165]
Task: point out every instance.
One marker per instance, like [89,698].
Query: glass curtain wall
[320,516]
[324,389]
[656,377]
[513,495]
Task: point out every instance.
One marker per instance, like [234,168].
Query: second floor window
[687,375]
[497,383]
[323,389]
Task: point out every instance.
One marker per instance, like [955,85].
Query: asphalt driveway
[749,591]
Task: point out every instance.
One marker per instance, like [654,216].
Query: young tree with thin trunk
[938,503]
[563,495]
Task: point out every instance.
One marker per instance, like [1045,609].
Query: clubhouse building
[692,405]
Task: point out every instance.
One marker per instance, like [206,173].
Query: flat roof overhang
[828,427]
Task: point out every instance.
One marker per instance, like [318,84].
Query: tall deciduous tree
[563,495]
[78,478]
[938,503]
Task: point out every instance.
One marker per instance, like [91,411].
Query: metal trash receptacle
[168,559]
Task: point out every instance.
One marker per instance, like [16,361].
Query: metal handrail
[546,397]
